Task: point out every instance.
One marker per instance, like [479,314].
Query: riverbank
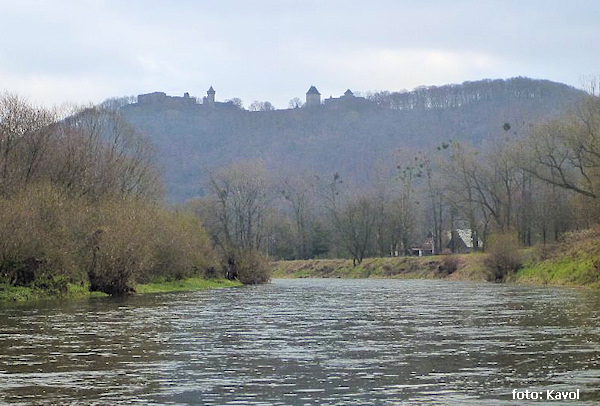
[186,285]
[465,267]
[10,293]
[574,261]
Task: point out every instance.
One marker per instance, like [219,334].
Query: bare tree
[353,219]
[237,102]
[261,106]
[101,154]
[402,205]
[267,106]
[242,198]
[299,192]
[115,103]
[25,135]
[566,152]
[295,103]
[488,184]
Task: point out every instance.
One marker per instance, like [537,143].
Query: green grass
[183,285]
[470,268]
[82,291]
[578,271]
[17,293]
[9,293]
[574,261]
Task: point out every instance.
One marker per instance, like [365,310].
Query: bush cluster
[80,204]
[503,256]
[248,266]
[49,238]
[449,264]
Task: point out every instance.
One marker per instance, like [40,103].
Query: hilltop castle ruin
[161,98]
[313,99]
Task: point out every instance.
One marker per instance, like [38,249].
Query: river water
[314,342]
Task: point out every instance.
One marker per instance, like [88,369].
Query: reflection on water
[293,342]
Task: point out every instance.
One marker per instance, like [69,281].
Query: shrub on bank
[247,266]
[448,264]
[35,238]
[137,242]
[503,256]
[49,239]
[181,249]
[119,248]
[78,205]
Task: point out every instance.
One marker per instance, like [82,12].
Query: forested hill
[346,135]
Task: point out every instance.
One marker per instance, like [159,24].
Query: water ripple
[326,342]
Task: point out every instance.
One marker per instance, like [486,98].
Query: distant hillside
[347,134]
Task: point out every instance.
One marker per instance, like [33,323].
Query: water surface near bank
[305,341]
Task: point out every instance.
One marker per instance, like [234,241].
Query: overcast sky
[86,51]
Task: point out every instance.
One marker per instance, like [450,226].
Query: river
[306,341]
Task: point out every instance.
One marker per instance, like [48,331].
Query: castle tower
[210,97]
[313,97]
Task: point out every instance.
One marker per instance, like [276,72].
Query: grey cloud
[271,49]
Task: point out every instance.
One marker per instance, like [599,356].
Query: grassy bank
[10,293]
[468,267]
[183,285]
[574,261]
